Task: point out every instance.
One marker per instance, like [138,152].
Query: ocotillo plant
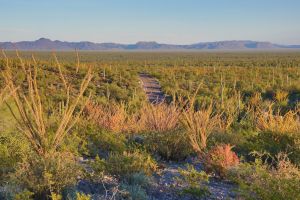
[199,124]
[30,114]
[3,95]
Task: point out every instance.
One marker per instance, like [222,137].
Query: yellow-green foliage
[47,174]
[200,125]
[47,169]
[261,181]
[80,196]
[126,163]
[272,121]
[13,149]
[25,195]
[55,196]
[193,181]
[170,145]
[46,96]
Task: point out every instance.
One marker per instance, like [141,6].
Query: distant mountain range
[44,44]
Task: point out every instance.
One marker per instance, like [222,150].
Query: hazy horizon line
[159,42]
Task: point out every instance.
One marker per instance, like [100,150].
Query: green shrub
[80,196]
[9,190]
[129,162]
[138,179]
[99,169]
[133,192]
[107,141]
[170,145]
[193,182]
[24,195]
[241,139]
[261,181]
[49,175]
[55,196]
[96,140]
[247,141]
[13,149]
[274,143]
[135,186]
[133,182]
[116,92]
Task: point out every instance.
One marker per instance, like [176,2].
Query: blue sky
[168,21]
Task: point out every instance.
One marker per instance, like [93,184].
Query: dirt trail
[152,88]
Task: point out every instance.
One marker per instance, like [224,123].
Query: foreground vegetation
[69,120]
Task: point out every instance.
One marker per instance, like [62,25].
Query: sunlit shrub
[219,159]
[114,117]
[51,174]
[13,149]
[200,125]
[281,97]
[126,163]
[80,196]
[24,195]
[255,100]
[160,117]
[269,120]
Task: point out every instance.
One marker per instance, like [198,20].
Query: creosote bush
[135,186]
[99,141]
[169,145]
[193,182]
[13,149]
[123,165]
[129,162]
[259,180]
[47,174]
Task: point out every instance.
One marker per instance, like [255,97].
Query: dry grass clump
[272,121]
[114,117]
[160,117]
[108,117]
[165,135]
[255,100]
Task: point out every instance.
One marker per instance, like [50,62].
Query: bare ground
[152,88]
